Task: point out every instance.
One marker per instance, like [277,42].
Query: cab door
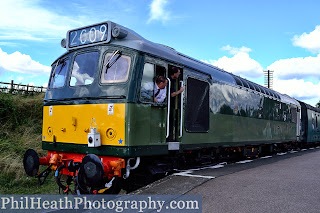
[155,113]
[175,105]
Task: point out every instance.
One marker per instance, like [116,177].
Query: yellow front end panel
[71,123]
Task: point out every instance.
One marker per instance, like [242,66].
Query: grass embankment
[20,129]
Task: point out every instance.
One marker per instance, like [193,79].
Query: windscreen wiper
[62,66]
[54,71]
[110,62]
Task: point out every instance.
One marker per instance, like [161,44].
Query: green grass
[20,129]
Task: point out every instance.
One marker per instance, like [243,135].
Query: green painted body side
[240,117]
[236,131]
[146,124]
[237,118]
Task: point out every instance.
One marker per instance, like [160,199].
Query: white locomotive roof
[287,99]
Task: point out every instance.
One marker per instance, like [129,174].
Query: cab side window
[294,115]
[197,108]
[313,121]
[147,85]
[153,84]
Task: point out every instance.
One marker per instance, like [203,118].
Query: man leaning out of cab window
[160,90]
[155,89]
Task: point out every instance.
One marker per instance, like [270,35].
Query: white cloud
[299,89]
[26,20]
[298,68]
[235,50]
[21,63]
[45,85]
[240,64]
[291,77]
[310,41]
[158,12]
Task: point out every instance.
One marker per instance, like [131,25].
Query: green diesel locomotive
[104,132]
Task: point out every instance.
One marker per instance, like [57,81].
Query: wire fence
[21,88]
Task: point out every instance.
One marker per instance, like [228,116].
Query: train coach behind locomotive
[103,134]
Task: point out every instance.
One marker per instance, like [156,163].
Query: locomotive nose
[31,162]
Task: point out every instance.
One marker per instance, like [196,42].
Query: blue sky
[243,37]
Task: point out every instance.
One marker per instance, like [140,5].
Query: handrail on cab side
[168,111]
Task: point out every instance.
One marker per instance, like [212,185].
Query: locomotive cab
[86,100]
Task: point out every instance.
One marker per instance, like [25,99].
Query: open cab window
[153,75]
[59,72]
[84,68]
[116,68]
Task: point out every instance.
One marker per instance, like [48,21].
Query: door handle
[168,111]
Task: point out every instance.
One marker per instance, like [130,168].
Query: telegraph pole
[268,78]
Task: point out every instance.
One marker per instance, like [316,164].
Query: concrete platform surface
[286,182]
[290,185]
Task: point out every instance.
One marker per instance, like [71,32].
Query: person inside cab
[156,90]
[160,90]
[174,74]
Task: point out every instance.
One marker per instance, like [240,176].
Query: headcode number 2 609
[88,35]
